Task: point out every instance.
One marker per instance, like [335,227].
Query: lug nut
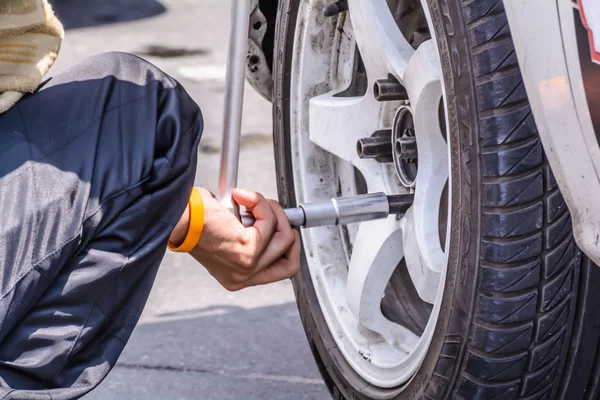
[379,146]
[406,147]
[400,203]
[331,10]
[389,89]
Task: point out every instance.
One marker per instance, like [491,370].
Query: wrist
[181,229]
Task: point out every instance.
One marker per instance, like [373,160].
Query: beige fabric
[30,38]
[9,99]
[16,14]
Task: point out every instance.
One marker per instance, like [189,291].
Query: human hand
[239,257]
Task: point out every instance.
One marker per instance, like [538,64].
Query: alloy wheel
[361,271]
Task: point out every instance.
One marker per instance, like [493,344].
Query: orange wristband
[196,206]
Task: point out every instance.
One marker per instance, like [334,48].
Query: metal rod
[295,215]
[344,210]
[234,97]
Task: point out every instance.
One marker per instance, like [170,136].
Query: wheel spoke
[382,46]
[337,123]
[377,253]
[424,271]
[423,251]
[422,75]
[422,82]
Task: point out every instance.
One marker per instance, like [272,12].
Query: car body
[560,64]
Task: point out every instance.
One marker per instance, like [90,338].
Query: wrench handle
[233,102]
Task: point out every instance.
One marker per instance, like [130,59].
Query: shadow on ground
[187,355]
[88,13]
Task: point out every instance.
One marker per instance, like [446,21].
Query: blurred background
[195,339]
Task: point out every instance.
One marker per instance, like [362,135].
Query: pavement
[195,339]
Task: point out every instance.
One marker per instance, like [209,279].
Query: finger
[283,223]
[276,249]
[254,202]
[282,240]
[294,253]
[278,271]
[284,268]
[266,220]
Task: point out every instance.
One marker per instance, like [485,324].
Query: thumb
[256,204]
[245,198]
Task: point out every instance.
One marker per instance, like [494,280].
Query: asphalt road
[196,340]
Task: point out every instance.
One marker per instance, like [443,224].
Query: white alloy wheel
[334,102]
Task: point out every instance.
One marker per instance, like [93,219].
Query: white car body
[558,48]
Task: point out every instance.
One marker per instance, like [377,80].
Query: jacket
[30,39]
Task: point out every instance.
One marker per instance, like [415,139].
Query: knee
[138,78]
[130,113]
[114,78]
[152,96]
[120,77]
[109,82]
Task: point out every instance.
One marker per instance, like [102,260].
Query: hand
[239,257]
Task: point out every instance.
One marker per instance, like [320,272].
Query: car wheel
[478,291]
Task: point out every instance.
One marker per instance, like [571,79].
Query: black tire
[519,317]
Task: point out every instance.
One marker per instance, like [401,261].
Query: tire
[519,317]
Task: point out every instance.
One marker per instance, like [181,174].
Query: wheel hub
[347,126]
[405,147]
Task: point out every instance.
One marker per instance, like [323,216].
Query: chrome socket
[344,210]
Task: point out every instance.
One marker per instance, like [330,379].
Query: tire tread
[528,251]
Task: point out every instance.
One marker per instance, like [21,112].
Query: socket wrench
[343,210]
